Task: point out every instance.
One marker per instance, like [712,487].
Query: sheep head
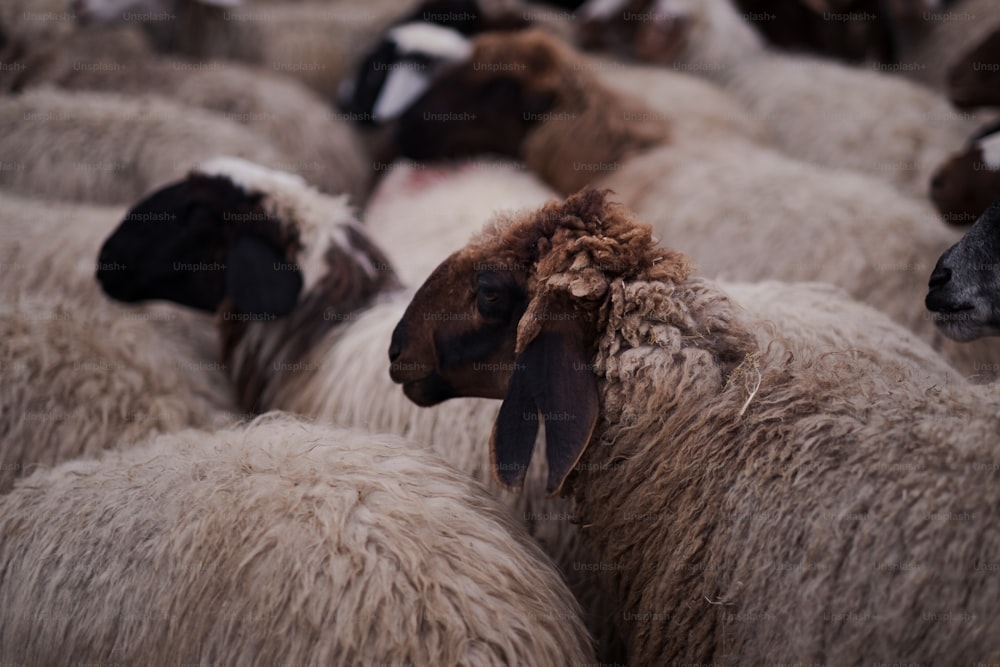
[400,66]
[489,102]
[967,183]
[974,78]
[517,314]
[966,281]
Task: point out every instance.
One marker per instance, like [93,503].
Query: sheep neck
[680,348]
[264,355]
[590,132]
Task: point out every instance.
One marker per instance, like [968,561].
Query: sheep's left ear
[552,381]
[259,280]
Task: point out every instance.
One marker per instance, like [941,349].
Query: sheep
[318,144]
[282,542]
[745,212]
[974,78]
[838,109]
[752,496]
[963,286]
[106,148]
[312,42]
[80,374]
[968,182]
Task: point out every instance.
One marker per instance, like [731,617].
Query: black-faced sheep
[965,283]
[743,211]
[752,496]
[966,184]
[282,542]
[290,250]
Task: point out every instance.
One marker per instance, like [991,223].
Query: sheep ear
[552,381]
[259,280]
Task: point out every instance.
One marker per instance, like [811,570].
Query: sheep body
[279,542]
[420,214]
[313,42]
[317,144]
[62,145]
[80,373]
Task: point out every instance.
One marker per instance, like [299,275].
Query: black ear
[552,381]
[259,280]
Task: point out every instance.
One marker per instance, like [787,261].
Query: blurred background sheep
[105,102]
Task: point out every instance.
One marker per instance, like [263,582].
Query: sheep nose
[397,342]
[938,182]
[940,277]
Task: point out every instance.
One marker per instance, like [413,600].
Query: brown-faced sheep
[745,212]
[966,184]
[282,542]
[751,496]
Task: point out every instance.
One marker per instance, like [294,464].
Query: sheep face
[974,79]
[966,281]
[963,187]
[198,242]
[396,71]
[516,315]
[486,104]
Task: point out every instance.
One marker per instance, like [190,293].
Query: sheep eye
[493,299]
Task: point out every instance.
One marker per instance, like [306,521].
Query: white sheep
[314,42]
[282,542]
[314,141]
[107,148]
[842,116]
[82,374]
[744,212]
[751,495]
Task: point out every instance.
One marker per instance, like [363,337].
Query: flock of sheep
[267,266]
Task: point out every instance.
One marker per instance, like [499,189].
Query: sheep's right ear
[259,280]
[552,381]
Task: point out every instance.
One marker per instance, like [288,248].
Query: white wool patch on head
[432,40]
[990,148]
[401,89]
[321,220]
